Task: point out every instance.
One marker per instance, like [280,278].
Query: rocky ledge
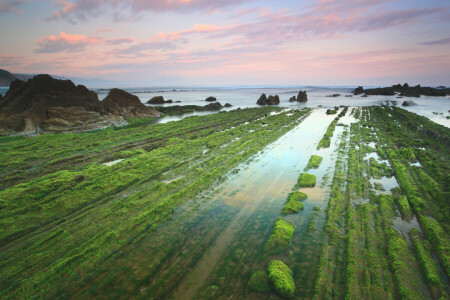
[404,90]
[45,104]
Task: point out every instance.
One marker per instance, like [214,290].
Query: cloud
[7,60]
[84,9]
[438,42]
[11,6]
[65,42]
[119,41]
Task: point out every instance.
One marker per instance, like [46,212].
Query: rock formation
[302,96]
[181,109]
[50,105]
[404,90]
[272,100]
[292,99]
[262,100]
[408,103]
[210,99]
[122,103]
[228,105]
[158,100]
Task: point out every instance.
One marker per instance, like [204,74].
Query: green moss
[259,282]
[281,236]
[292,207]
[307,180]
[281,278]
[297,196]
[314,162]
[408,154]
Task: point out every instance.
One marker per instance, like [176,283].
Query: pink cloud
[65,42]
[83,9]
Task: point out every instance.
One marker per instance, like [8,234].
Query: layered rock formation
[272,100]
[50,105]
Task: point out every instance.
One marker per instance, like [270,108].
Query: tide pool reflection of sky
[233,42]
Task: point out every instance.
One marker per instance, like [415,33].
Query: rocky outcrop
[408,103]
[212,106]
[158,100]
[272,100]
[404,90]
[333,95]
[292,99]
[182,109]
[210,99]
[262,100]
[122,103]
[228,105]
[50,105]
[302,96]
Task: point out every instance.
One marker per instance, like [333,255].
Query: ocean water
[435,108]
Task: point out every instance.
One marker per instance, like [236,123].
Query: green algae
[281,236]
[306,180]
[281,278]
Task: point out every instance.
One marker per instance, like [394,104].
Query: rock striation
[45,104]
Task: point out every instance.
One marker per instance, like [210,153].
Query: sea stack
[210,99]
[302,96]
[272,100]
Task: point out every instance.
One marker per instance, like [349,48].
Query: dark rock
[399,97]
[348,96]
[213,106]
[210,99]
[334,95]
[52,105]
[228,105]
[331,111]
[408,103]
[177,101]
[262,100]
[302,96]
[441,87]
[364,95]
[358,90]
[169,101]
[156,100]
[79,178]
[292,99]
[273,100]
[122,103]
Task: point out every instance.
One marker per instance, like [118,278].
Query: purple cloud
[438,42]
[65,42]
[84,9]
[11,6]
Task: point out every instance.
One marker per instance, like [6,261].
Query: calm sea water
[435,108]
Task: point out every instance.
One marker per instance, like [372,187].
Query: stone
[156,100]
[262,100]
[292,99]
[228,105]
[408,103]
[210,99]
[302,96]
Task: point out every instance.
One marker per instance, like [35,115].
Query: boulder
[408,103]
[262,100]
[122,103]
[212,106]
[292,99]
[273,100]
[348,96]
[210,99]
[156,100]
[302,96]
[228,105]
[333,95]
[364,96]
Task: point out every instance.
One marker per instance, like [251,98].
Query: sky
[230,42]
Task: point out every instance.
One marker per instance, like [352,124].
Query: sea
[435,108]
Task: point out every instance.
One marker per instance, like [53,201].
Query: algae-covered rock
[281,236]
[280,276]
[307,180]
[259,282]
